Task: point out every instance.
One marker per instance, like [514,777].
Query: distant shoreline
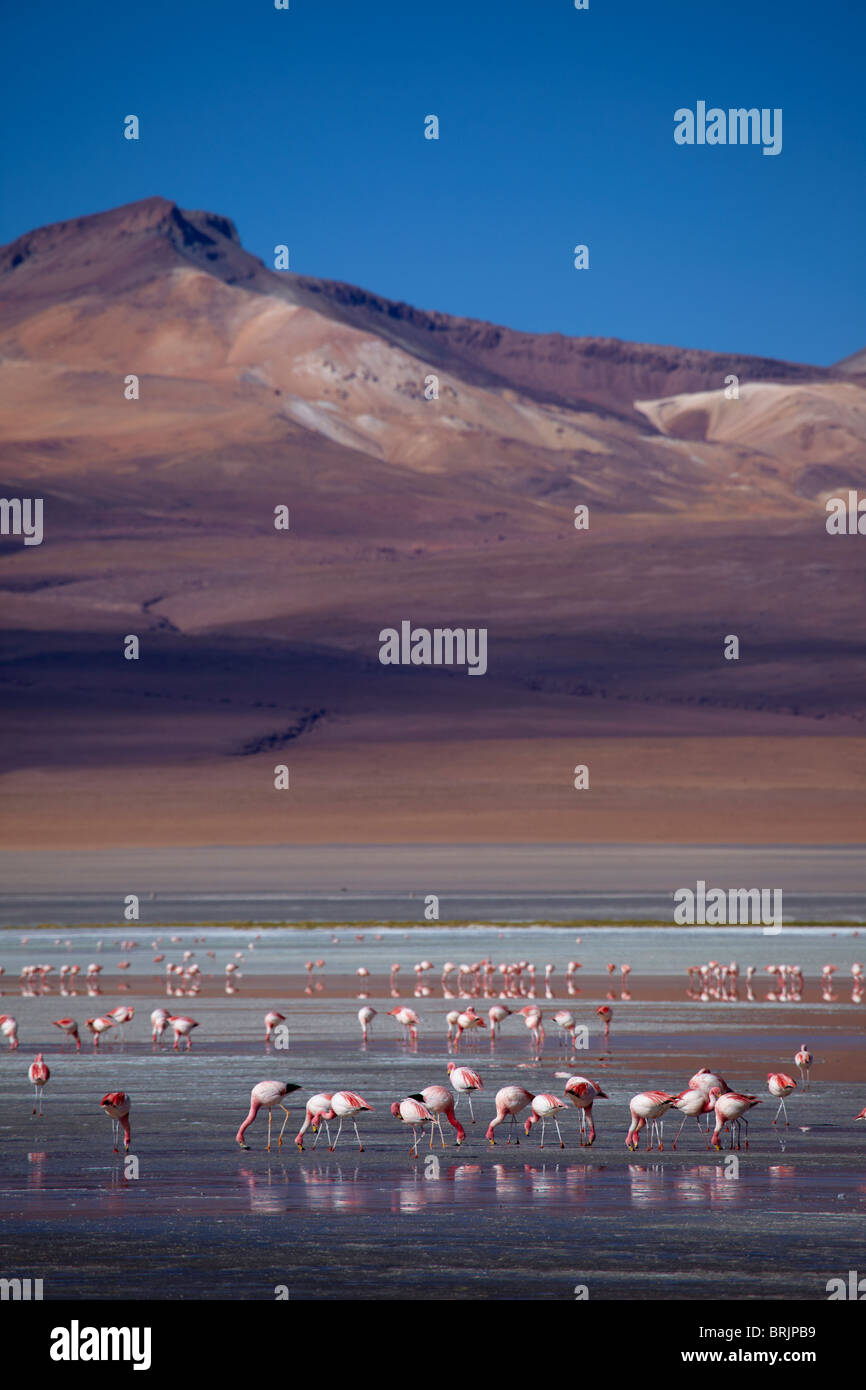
[455,924]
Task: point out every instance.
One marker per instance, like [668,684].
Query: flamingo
[412,1111]
[862,1115]
[266,1094]
[408,1020]
[465,1081]
[509,1101]
[365,1018]
[182,1027]
[116,1105]
[122,1014]
[497,1015]
[158,1024]
[604,1011]
[99,1026]
[466,1021]
[648,1105]
[38,1074]
[565,1020]
[439,1102]
[9,1029]
[583,1092]
[70,1028]
[544,1107]
[804,1060]
[730,1108]
[779,1085]
[346,1105]
[317,1112]
[532,1019]
[694,1101]
[272,1018]
[704,1080]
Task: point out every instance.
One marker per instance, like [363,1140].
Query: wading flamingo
[412,1111]
[365,1018]
[779,1085]
[544,1108]
[317,1113]
[346,1105]
[509,1102]
[648,1106]
[70,1028]
[116,1105]
[694,1102]
[38,1074]
[465,1080]
[804,1060]
[182,1027]
[272,1018]
[583,1092]
[439,1102]
[730,1108]
[266,1094]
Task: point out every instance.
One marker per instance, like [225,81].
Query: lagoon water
[204,1220]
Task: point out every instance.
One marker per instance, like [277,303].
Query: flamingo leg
[358,1137]
[441,1135]
[541,1145]
[680,1130]
[269,1130]
[337,1139]
[471,1111]
[556,1122]
[285,1122]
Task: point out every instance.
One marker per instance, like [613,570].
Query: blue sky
[306,127]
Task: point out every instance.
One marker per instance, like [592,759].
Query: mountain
[261,388]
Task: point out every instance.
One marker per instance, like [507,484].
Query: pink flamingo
[730,1108]
[9,1029]
[116,1105]
[544,1107]
[804,1060]
[70,1028]
[648,1105]
[182,1027]
[158,1024]
[583,1093]
[497,1015]
[704,1080]
[693,1102]
[408,1020]
[316,1113]
[439,1102]
[346,1105]
[266,1094]
[365,1018]
[272,1018]
[465,1081]
[532,1020]
[98,1026]
[604,1011]
[465,1022]
[509,1102]
[38,1074]
[779,1085]
[412,1111]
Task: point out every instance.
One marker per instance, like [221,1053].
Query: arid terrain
[257,647]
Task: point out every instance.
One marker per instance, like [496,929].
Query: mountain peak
[123,248]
